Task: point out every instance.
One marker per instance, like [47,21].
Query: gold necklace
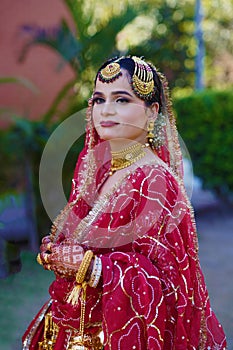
[126,157]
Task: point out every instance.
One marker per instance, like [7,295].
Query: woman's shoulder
[154,169]
[157,176]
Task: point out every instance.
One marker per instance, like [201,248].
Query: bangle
[80,276]
[96,272]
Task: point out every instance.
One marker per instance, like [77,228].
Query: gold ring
[48,267]
[38,259]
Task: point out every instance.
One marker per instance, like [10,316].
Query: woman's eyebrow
[98,93]
[121,92]
[118,92]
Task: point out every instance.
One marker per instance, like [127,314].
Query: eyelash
[122,100]
[99,100]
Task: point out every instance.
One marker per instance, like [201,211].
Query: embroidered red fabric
[152,294]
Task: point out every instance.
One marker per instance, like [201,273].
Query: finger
[43,248]
[46,248]
[46,240]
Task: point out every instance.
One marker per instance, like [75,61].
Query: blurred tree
[169,42]
[164,32]
[218,27]
[91,42]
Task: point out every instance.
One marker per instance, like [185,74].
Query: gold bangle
[81,274]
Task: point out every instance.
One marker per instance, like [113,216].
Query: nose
[108,108]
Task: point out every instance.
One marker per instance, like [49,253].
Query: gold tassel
[73,297]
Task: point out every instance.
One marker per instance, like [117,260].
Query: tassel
[73,297]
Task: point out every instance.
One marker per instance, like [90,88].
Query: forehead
[121,83]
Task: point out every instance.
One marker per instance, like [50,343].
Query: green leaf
[20,80]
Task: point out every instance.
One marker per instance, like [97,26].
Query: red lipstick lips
[108,123]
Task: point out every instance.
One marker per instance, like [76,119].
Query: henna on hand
[63,258]
[66,257]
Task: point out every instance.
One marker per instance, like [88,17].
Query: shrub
[205,122]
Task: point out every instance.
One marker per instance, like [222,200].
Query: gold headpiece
[110,73]
[142,80]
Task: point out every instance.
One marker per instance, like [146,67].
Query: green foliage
[205,122]
[19,80]
[170,44]
[218,26]
[60,38]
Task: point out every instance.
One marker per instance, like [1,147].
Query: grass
[21,296]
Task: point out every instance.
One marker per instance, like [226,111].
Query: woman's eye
[98,100]
[122,100]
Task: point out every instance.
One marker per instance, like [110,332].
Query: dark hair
[128,64]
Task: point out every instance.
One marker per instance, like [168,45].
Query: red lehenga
[152,294]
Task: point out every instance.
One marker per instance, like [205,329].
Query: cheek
[95,117]
[138,119]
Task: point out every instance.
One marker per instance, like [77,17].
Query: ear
[153,110]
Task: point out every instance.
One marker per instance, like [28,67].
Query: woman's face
[118,112]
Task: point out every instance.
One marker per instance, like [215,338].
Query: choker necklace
[125,157]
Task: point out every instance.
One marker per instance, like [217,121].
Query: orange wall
[42,66]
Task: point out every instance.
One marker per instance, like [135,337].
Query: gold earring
[150,132]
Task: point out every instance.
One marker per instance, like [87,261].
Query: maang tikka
[110,73]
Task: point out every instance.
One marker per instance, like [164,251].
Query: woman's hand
[63,258]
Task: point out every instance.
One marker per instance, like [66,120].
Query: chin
[107,137]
